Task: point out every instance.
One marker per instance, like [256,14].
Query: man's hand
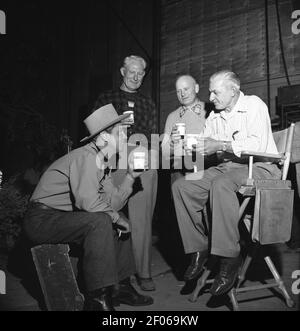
[208,146]
[131,170]
[122,225]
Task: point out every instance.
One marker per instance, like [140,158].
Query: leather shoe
[128,295]
[226,278]
[99,300]
[146,284]
[196,265]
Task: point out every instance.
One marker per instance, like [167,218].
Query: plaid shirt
[145,116]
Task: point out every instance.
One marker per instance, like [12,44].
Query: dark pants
[107,259]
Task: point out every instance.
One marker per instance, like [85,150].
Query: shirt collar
[92,147]
[240,107]
[197,108]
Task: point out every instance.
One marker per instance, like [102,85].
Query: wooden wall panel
[202,36]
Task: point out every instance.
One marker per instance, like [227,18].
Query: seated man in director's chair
[240,123]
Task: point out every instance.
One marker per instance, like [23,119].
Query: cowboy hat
[101,119]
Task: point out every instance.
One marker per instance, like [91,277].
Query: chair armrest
[263,157]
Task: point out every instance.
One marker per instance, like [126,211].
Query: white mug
[191,139]
[139,161]
[181,128]
[130,119]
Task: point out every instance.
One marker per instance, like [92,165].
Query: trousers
[220,185]
[141,206]
[107,259]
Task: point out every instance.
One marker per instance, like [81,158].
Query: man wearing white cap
[76,202]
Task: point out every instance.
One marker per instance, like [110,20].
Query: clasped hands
[204,146]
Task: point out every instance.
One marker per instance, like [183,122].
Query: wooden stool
[57,278]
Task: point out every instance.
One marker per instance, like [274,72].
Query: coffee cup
[139,161]
[191,141]
[181,129]
[130,119]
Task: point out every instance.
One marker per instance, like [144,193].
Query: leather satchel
[273,211]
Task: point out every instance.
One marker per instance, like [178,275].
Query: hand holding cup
[190,143]
[175,135]
[130,119]
[138,161]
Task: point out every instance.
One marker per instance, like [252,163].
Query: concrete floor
[169,286]
[167,296]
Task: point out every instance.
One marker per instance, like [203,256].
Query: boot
[196,266]
[128,295]
[227,276]
[99,300]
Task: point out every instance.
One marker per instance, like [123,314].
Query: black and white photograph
[149,158]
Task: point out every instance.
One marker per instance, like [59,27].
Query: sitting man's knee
[99,219]
[221,181]
[151,174]
[178,185]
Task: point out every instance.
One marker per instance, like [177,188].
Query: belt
[39,205]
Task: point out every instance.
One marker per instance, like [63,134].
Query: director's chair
[271,220]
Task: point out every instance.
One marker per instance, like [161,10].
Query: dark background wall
[55,59]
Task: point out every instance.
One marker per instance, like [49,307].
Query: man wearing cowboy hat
[75,201]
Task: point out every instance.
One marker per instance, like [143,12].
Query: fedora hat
[101,119]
